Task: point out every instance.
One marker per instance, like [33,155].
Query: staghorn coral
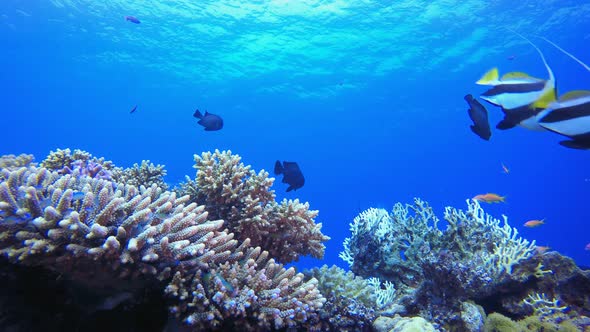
[233,192]
[543,306]
[349,300]
[396,246]
[109,235]
[146,174]
[12,161]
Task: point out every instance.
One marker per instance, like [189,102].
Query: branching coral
[396,245]
[433,270]
[233,192]
[484,231]
[78,225]
[146,174]
[350,300]
[391,246]
[112,235]
[78,163]
[255,292]
[543,306]
[12,161]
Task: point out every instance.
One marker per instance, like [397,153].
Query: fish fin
[573,144]
[574,94]
[290,188]
[278,168]
[476,132]
[566,53]
[517,74]
[549,71]
[206,113]
[210,129]
[545,100]
[489,78]
[198,114]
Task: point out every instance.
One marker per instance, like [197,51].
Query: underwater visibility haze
[348,105]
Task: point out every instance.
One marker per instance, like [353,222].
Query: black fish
[211,122]
[291,174]
[133,109]
[479,115]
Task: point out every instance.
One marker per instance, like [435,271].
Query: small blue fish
[132,19]
[211,122]
[133,109]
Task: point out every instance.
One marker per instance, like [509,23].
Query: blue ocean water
[366,96]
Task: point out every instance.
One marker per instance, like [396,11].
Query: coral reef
[567,286]
[349,300]
[496,322]
[250,294]
[99,240]
[435,271]
[233,192]
[12,161]
[78,225]
[452,276]
[146,174]
[403,324]
[115,236]
[78,162]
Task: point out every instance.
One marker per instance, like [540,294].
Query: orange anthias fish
[505,169]
[490,198]
[534,223]
[541,249]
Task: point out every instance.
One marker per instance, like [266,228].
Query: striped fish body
[511,95]
[570,117]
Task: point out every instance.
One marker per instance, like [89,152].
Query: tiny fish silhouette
[541,249]
[505,169]
[132,19]
[211,122]
[291,174]
[133,109]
